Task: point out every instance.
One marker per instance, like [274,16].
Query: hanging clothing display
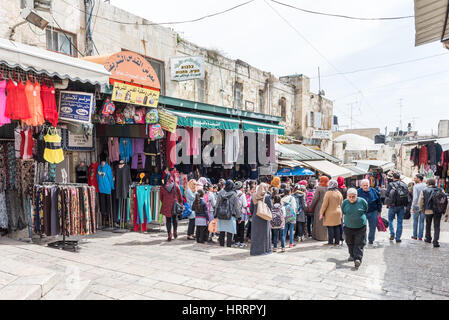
[125,149]
[26,144]
[104,179]
[49,105]
[53,150]
[138,155]
[64,209]
[92,175]
[114,149]
[16,101]
[122,181]
[33,95]
[3,118]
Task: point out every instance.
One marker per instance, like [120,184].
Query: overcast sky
[257,35]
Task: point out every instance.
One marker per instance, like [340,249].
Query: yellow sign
[168,121]
[135,95]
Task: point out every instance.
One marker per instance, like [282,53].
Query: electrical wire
[70,41]
[340,15]
[163,23]
[382,66]
[321,55]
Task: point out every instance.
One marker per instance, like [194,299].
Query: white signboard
[322,134]
[186,68]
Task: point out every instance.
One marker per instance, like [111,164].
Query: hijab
[169,182]
[324,181]
[333,185]
[341,183]
[276,182]
[192,185]
[229,186]
[260,193]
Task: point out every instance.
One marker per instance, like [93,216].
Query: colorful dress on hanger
[21,108]
[33,95]
[49,105]
[3,118]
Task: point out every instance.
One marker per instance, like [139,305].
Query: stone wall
[161,43]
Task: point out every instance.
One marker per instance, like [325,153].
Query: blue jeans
[418,224]
[392,213]
[276,237]
[290,227]
[372,222]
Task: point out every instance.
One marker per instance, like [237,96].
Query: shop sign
[186,68]
[322,134]
[75,106]
[77,142]
[126,93]
[168,121]
[131,67]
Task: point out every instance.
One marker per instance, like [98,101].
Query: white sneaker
[243,245]
[237,244]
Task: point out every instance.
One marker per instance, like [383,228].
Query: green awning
[200,120]
[260,127]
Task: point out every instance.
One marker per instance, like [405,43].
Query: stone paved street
[145,266]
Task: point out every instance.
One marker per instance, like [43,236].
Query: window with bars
[61,41]
[201,90]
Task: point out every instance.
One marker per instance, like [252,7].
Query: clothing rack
[14,73]
[68,245]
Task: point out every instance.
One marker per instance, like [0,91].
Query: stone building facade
[229,83]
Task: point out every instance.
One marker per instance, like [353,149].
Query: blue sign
[75,106]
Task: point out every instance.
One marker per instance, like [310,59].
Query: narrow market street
[145,266]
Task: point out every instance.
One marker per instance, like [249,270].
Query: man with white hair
[354,213]
[372,197]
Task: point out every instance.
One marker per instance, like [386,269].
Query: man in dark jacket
[425,205]
[395,209]
[371,196]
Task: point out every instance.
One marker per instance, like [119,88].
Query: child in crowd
[240,236]
[278,223]
[201,217]
[289,203]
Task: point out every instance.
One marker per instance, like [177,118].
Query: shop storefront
[46,103]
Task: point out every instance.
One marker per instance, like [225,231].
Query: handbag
[380,225]
[177,209]
[263,211]
[213,227]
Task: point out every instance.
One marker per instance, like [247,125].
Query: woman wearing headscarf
[190,197]
[276,182]
[260,228]
[169,193]
[319,231]
[227,203]
[331,211]
[342,187]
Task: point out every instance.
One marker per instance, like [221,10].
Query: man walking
[418,215]
[433,202]
[354,212]
[397,199]
[372,197]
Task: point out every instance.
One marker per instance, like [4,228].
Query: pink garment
[114,149]
[3,118]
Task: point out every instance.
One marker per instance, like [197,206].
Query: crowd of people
[263,213]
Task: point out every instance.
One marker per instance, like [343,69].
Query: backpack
[439,202]
[278,219]
[187,211]
[309,197]
[152,116]
[224,209]
[290,215]
[399,195]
